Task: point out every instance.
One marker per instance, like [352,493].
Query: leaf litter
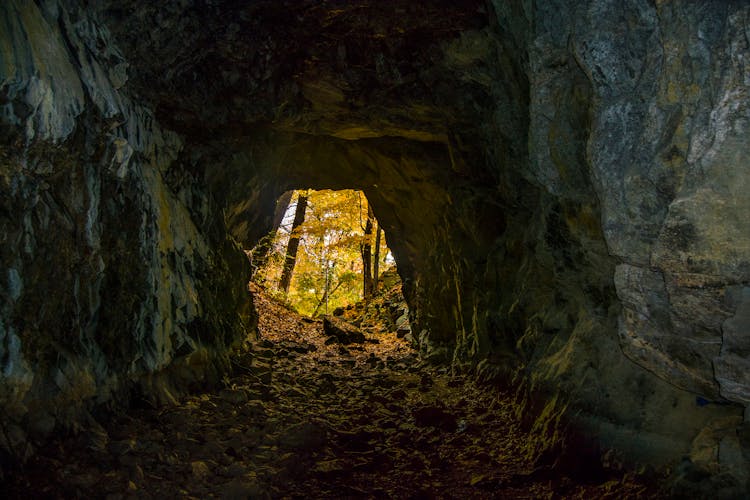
[302,416]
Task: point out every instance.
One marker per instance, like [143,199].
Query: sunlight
[341,249]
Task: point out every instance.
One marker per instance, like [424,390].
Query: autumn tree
[328,266]
[331,235]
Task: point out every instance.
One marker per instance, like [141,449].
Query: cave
[562,185]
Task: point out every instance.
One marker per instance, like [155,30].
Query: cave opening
[417,190]
[325,251]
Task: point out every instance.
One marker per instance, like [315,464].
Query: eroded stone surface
[106,270]
[564,187]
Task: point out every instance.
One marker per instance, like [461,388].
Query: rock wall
[667,165]
[562,183]
[640,248]
[113,285]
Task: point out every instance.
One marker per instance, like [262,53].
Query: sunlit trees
[334,247]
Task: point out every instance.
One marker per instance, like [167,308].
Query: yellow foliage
[329,255]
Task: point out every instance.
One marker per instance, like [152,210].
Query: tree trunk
[367,256]
[291,249]
[261,250]
[376,261]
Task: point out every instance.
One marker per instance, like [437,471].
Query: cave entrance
[325,253]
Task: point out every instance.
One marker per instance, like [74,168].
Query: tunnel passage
[567,194]
[411,196]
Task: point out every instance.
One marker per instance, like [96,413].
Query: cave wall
[563,187]
[661,153]
[114,285]
[665,159]
[635,113]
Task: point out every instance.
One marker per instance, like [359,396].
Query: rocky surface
[341,332]
[365,421]
[111,283]
[660,86]
[386,312]
[564,188]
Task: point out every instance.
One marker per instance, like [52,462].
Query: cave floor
[299,418]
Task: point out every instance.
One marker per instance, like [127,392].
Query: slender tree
[291,248]
[376,260]
[367,256]
[327,293]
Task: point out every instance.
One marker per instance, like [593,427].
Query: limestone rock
[200,469]
[242,489]
[732,365]
[304,437]
[435,416]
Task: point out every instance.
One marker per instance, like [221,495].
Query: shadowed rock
[343,332]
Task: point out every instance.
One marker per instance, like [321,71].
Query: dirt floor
[300,418]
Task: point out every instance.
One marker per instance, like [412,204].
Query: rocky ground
[306,416]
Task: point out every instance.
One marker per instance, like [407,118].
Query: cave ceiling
[348,69]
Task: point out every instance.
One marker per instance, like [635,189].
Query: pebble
[243,490]
[200,470]
[235,396]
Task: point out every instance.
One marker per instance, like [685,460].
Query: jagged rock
[200,469]
[265,354]
[41,424]
[241,489]
[402,324]
[298,348]
[234,396]
[343,332]
[564,188]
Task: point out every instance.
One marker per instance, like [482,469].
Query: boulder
[343,332]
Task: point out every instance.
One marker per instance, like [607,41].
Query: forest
[326,251]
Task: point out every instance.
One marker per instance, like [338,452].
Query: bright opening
[327,251]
